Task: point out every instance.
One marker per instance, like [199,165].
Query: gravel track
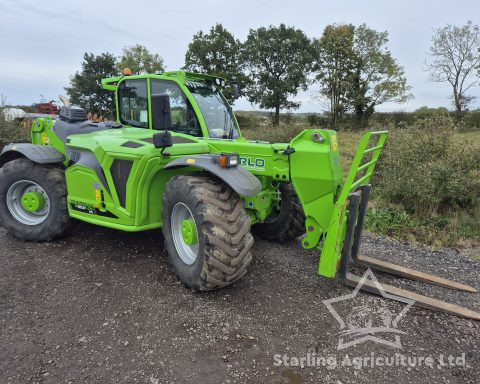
[103,306]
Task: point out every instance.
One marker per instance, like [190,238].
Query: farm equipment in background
[175,159]
[29,113]
[47,108]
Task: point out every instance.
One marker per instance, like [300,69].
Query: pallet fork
[342,243]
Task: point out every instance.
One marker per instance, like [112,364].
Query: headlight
[228,160]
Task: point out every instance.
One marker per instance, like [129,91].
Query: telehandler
[175,159]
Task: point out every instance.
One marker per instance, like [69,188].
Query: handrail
[357,166]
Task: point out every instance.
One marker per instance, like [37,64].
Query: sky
[42,43]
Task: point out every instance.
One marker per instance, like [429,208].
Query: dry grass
[452,226]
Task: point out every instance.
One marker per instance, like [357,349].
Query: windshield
[216,112]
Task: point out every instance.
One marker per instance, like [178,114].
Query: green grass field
[452,225]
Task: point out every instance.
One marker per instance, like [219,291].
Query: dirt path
[104,307]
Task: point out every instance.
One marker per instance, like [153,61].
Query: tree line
[85,87]
[350,65]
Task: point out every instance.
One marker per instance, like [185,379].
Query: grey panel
[240,179]
[41,154]
[88,160]
[72,114]
[64,129]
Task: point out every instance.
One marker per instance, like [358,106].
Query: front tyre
[33,201]
[206,230]
[288,222]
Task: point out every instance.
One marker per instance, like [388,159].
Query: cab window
[183,116]
[218,115]
[133,103]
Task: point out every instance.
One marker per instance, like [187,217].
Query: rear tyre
[286,224]
[33,201]
[206,230]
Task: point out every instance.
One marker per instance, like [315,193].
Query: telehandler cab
[175,159]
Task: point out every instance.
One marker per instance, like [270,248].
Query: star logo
[365,323]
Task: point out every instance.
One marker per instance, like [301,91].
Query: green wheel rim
[189,232]
[33,201]
[28,202]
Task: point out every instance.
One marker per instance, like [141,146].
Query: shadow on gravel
[126,245]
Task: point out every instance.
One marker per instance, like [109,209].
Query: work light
[228,160]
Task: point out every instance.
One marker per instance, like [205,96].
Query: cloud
[43,43]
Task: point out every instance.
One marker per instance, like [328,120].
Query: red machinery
[47,108]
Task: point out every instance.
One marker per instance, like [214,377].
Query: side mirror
[162,140]
[236,90]
[161,114]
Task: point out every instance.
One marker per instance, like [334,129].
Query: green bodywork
[311,162]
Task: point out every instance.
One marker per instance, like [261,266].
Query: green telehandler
[175,159]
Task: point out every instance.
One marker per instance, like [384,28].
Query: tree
[377,76]
[217,53]
[279,60]
[140,60]
[454,57]
[356,72]
[334,67]
[85,87]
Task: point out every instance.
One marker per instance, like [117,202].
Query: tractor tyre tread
[52,180]
[223,229]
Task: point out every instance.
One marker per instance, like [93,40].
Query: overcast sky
[42,42]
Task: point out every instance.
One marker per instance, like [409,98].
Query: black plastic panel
[175,140]
[120,171]
[132,144]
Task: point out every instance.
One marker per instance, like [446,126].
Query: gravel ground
[103,306]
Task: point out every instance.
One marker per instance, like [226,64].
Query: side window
[183,116]
[133,103]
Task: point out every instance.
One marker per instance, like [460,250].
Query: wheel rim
[181,218]
[28,202]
